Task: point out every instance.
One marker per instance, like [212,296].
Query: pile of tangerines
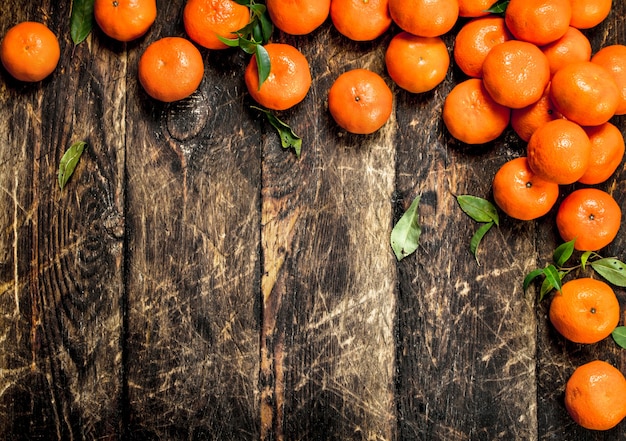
[528,65]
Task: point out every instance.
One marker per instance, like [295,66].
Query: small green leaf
[406,233]
[262,63]
[532,276]
[266,26]
[499,7]
[584,258]
[619,335]
[553,276]
[479,209]
[563,252]
[287,137]
[81,20]
[69,160]
[231,42]
[546,287]
[478,236]
[611,269]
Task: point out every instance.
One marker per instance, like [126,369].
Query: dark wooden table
[196,281]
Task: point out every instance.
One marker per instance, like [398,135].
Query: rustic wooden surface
[196,281]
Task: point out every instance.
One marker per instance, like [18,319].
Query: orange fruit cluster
[533,69]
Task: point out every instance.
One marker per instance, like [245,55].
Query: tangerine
[298,17]
[520,193]
[585,310]
[417,64]
[426,18]
[589,216]
[360,20]
[170,69]
[607,151]
[526,120]
[471,115]
[289,78]
[30,51]
[613,59]
[589,13]
[474,8]
[585,92]
[559,151]
[572,46]
[594,395]
[125,20]
[516,73]
[538,21]
[207,20]
[360,101]
[474,41]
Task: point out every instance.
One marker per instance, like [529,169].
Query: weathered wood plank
[193,180]
[557,358]
[466,337]
[62,251]
[328,282]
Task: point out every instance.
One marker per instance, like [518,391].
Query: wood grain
[327,342]
[196,281]
[193,261]
[62,326]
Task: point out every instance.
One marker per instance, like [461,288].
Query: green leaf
[546,287]
[499,7]
[262,63]
[584,258]
[69,160]
[553,276]
[532,276]
[81,20]
[563,252]
[479,209]
[266,26]
[231,42]
[478,236]
[611,269]
[287,137]
[406,233]
[619,335]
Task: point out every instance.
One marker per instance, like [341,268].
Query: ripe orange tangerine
[585,92]
[289,79]
[474,41]
[585,310]
[298,17]
[417,64]
[538,21]
[559,151]
[520,193]
[613,59]
[471,115]
[206,20]
[516,73]
[30,51]
[360,101]
[125,20]
[590,216]
[526,120]
[170,69]
[360,20]
[426,18]
[594,395]
[607,152]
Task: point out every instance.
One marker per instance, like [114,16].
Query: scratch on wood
[16,290]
